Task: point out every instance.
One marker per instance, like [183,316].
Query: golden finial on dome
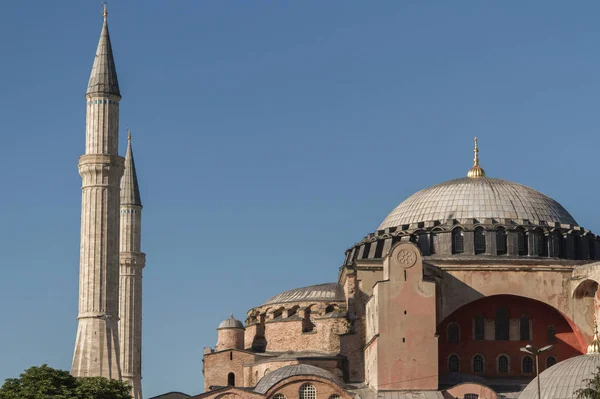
[594,346]
[105,13]
[476,170]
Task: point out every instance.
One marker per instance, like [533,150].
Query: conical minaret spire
[103,78]
[101,168]
[132,261]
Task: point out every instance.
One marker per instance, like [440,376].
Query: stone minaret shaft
[101,168]
[132,262]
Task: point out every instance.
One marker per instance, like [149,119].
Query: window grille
[522,243]
[501,241]
[308,391]
[527,365]
[478,364]
[453,363]
[479,240]
[458,241]
[503,364]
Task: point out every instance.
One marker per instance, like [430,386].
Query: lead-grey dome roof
[231,322]
[269,380]
[563,379]
[477,198]
[318,293]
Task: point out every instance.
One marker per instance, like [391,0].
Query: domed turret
[230,334]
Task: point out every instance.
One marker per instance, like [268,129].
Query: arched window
[550,361]
[522,242]
[559,252]
[329,309]
[453,363]
[279,396]
[458,241]
[503,364]
[307,324]
[527,365]
[479,327]
[432,238]
[501,241]
[453,332]
[471,396]
[551,334]
[308,391]
[231,379]
[478,364]
[525,330]
[479,240]
[577,246]
[502,325]
[540,243]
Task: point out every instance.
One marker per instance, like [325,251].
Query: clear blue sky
[269,137]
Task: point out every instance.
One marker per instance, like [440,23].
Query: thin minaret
[132,261]
[101,168]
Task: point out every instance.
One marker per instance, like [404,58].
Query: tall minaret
[101,168]
[132,262]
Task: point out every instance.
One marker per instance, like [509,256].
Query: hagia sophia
[439,301]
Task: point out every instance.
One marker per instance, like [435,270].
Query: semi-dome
[269,380]
[231,322]
[477,198]
[317,293]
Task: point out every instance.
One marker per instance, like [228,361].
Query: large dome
[563,379]
[477,198]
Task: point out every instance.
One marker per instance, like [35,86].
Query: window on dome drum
[478,328]
[550,361]
[502,324]
[279,396]
[479,240]
[503,364]
[308,391]
[334,396]
[522,242]
[577,246]
[231,379]
[478,364]
[527,365]
[432,238]
[540,243]
[501,241]
[471,396]
[453,363]
[524,328]
[367,249]
[551,334]
[592,246]
[453,333]
[458,241]
[560,246]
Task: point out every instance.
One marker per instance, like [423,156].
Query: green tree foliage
[592,389]
[47,383]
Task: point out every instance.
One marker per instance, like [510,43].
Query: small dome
[477,198]
[563,379]
[230,323]
[274,377]
[319,293]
